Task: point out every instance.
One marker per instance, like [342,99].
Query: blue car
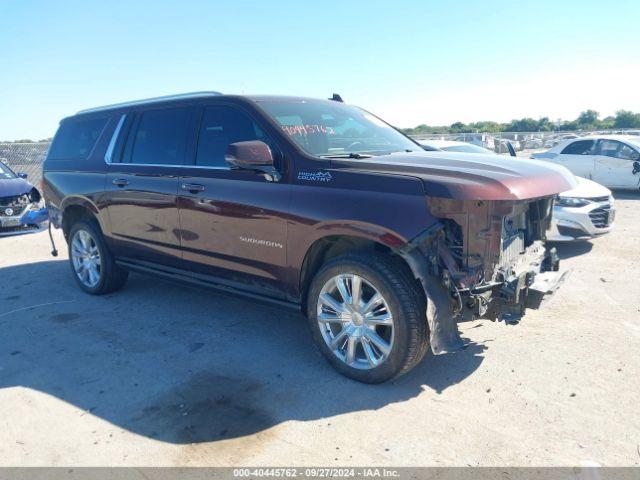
[21,205]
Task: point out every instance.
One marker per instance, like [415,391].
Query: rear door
[142,184]
[233,222]
[614,164]
[578,157]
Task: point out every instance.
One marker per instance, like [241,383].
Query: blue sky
[410,62]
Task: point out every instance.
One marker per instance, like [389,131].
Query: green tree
[626,119]
[544,125]
[459,127]
[588,118]
[522,125]
[486,126]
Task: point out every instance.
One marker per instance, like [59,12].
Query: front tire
[92,265]
[368,316]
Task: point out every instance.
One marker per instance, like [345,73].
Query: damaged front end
[484,258]
[22,213]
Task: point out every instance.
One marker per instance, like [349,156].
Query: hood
[472,176]
[587,189]
[10,187]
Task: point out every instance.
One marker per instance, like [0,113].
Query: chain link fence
[25,158]
[525,142]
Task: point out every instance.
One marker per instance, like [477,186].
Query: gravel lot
[160,374]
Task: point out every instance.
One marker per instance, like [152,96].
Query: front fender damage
[444,336]
[482,260]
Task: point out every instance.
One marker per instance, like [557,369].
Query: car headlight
[36,200]
[37,205]
[572,202]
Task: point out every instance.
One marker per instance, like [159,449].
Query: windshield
[466,148]
[5,172]
[332,129]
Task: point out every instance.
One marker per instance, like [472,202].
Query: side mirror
[252,155]
[23,175]
[636,167]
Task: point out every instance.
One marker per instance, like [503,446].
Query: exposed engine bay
[484,259]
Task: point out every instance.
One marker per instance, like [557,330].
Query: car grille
[600,216]
[11,211]
[12,206]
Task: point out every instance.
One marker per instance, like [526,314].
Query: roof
[197,95]
[285,98]
[145,101]
[634,138]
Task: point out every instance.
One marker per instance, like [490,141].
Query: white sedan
[611,160]
[582,213]
[585,212]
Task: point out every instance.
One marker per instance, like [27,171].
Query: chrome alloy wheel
[355,321]
[85,257]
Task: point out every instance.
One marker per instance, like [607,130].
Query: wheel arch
[76,208]
[328,247]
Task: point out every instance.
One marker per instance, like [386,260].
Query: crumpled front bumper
[526,283]
[530,284]
[26,221]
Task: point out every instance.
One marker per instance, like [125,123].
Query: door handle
[192,187]
[120,182]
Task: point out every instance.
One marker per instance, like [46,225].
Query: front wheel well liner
[74,213]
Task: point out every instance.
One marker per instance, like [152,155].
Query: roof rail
[145,101]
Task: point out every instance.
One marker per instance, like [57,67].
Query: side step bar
[209,283]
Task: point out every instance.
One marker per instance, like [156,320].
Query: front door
[615,164]
[142,186]
[233,222]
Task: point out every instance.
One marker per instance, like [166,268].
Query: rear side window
[76,138]
[159,137]
[581,147]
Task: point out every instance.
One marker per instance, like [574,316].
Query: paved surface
[160,374]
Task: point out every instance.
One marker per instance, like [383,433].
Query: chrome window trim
[173,166]
[114,139]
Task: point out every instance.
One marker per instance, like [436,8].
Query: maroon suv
[306,203]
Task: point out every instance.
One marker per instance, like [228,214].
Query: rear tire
[371,345]
[92,265]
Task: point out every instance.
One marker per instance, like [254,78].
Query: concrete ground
[160,374]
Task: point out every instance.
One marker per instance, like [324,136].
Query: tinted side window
[160,136]
[76,138]
[222,125]
[581,147]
